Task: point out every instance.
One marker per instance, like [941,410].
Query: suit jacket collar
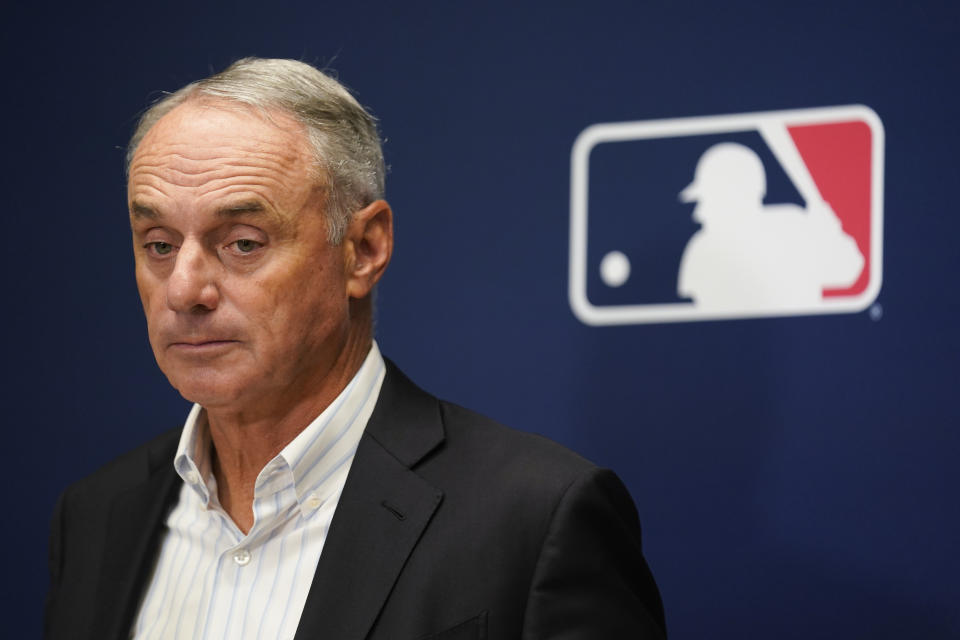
[381,515]
[406,420]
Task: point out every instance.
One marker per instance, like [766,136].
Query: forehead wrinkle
[220,177]
[182,169]
[230,145]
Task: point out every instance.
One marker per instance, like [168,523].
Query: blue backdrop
[795,476]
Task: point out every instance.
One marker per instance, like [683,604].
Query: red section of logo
[838,158]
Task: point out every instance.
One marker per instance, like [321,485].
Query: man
[314,491]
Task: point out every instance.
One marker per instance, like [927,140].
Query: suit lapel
[130,549]
[381,515]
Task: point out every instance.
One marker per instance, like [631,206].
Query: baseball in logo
[737,216]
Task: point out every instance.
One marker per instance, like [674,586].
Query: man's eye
[246,246]
[160,248]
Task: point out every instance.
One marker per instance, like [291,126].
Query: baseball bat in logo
[739,216]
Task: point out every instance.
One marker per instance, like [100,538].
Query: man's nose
[192,286]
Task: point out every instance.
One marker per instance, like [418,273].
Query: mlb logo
[751,215]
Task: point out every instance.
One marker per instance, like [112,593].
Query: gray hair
[343,136]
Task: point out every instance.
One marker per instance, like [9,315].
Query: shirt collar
[318,458]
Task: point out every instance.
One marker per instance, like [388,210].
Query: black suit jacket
[450,526]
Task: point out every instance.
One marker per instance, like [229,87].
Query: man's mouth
[201,346]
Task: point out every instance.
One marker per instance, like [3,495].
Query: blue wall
[795,476]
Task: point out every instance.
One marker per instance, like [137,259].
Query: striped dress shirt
[213,582]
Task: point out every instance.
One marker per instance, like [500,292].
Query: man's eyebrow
[256,207]
[240,208]
[139,210]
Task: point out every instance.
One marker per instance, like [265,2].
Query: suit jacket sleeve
[591,580]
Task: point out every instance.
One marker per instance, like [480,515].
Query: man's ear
[368,247]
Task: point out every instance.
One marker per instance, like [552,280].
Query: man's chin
[209,392]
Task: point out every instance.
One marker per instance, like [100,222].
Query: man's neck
[243,441]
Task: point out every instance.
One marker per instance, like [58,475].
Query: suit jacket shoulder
[103,534]
[524,538]
[128,469]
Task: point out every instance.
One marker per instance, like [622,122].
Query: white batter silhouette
[754,257]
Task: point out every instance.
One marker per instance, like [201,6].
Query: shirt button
[192,477]
[241,557]
[314,501]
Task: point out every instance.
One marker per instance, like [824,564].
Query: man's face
[246,302]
